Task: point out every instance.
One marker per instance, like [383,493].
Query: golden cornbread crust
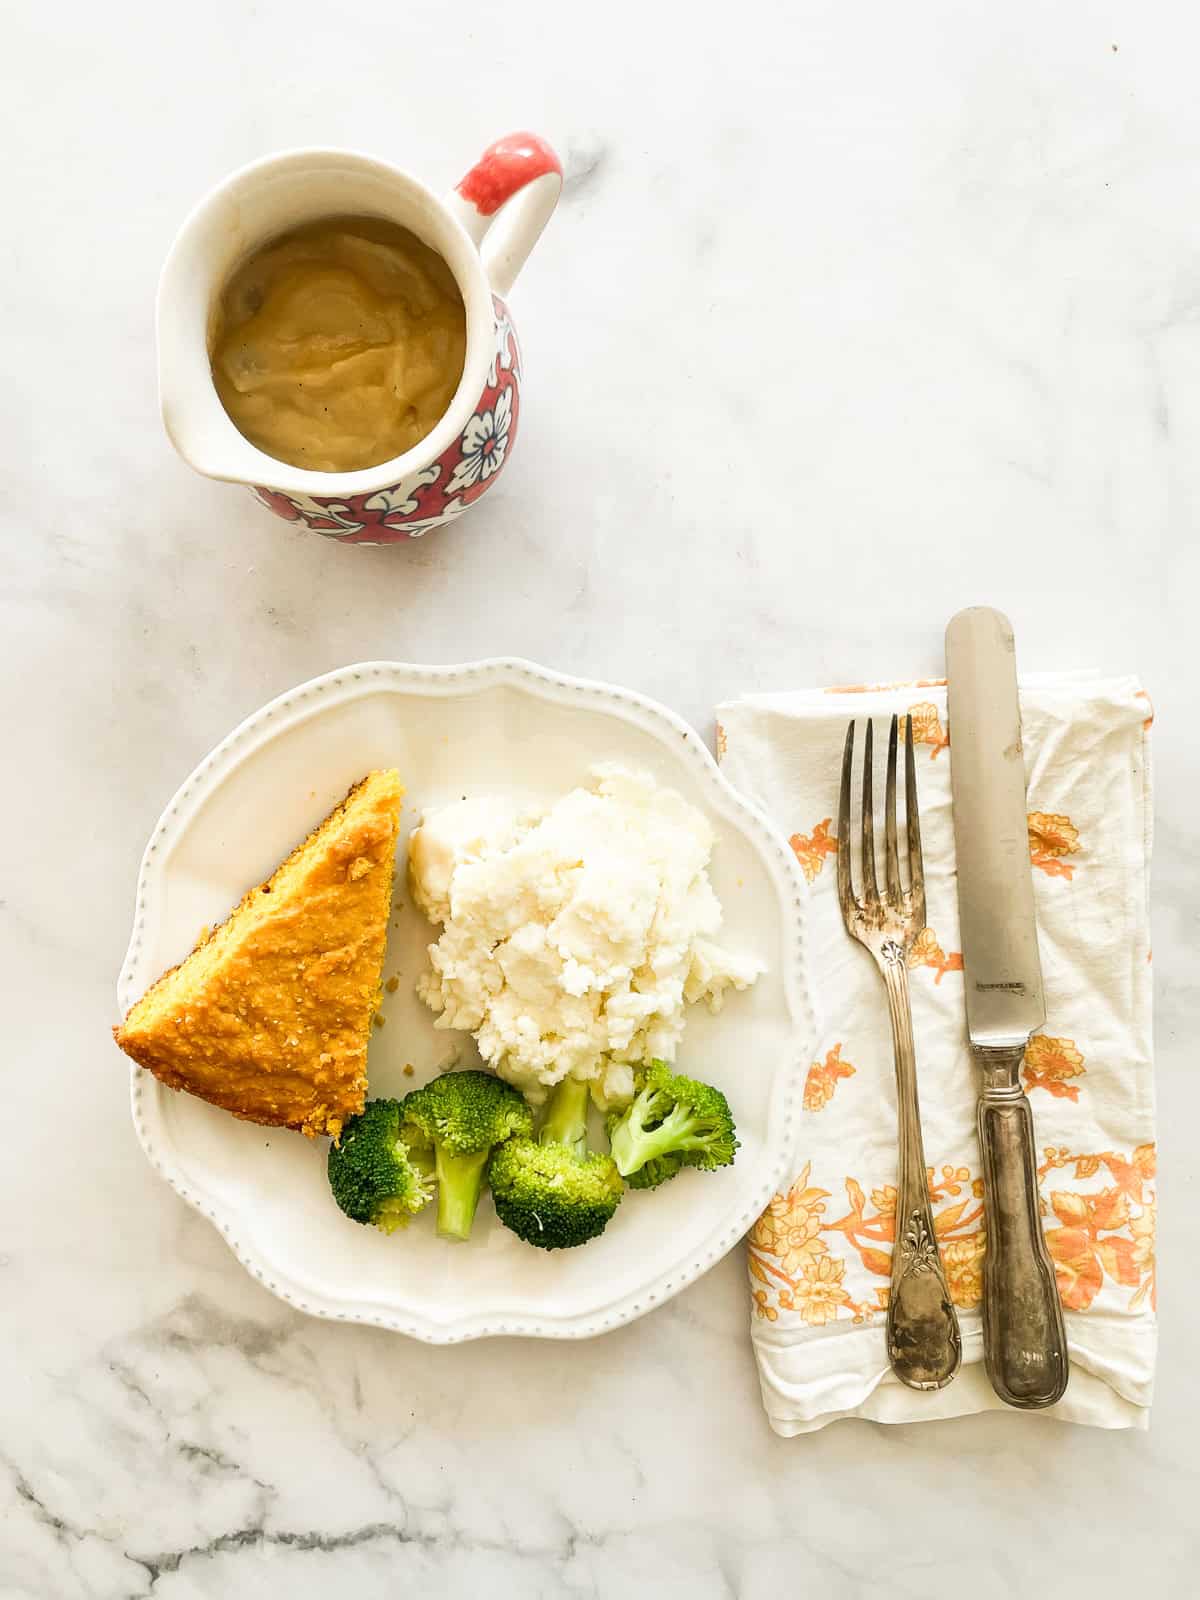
[270,1015]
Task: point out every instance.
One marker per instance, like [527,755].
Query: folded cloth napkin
[819,1256]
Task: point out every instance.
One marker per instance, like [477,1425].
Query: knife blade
[997,924]
[1024,1338]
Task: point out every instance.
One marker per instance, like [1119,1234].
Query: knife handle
[1024,1339]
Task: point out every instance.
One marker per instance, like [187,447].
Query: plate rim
[784,1102]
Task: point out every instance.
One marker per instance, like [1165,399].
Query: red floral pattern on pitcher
[434,496]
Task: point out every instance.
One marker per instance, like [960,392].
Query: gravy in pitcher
[339,345]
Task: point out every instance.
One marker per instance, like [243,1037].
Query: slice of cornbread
[270,1015]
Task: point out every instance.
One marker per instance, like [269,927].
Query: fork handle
[923,1341]
[1024,1339]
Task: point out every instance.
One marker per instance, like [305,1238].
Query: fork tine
[870,887]
[845,886]
[916,861]
[891,854]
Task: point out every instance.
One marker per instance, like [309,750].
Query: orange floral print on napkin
[963,1260]
[877,688]
[1103,1236]
[823,1078]
[820,1292]
[722,743]
[927,727]
[1141,1229]
[1051,837]
[762,1305]
[927,952]
[812,848]
[1050,1063]
[1106,1233]
[789,1228]
[951,1183]
[793,1264]
[799,1272]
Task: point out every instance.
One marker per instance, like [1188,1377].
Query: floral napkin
[819,1257]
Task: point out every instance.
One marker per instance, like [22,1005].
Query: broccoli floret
[674,1122]
[373,1174]
[553,1191]
[455,1122]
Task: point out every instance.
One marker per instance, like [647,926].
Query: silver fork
[923,1340]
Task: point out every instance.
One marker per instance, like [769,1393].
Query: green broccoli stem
[459,1181]
[633,1145]
[566,1116]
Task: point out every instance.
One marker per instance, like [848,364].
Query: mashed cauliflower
[572,937]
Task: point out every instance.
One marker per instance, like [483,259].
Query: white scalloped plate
[492,727]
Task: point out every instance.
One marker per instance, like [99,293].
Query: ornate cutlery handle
[924,1345]
[1024,1340]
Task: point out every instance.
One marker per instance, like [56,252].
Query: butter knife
[1025,1344]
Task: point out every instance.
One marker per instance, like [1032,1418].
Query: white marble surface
[852,314]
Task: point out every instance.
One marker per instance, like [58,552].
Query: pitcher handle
[521,176]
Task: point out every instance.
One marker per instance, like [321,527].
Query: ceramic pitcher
[484,229]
